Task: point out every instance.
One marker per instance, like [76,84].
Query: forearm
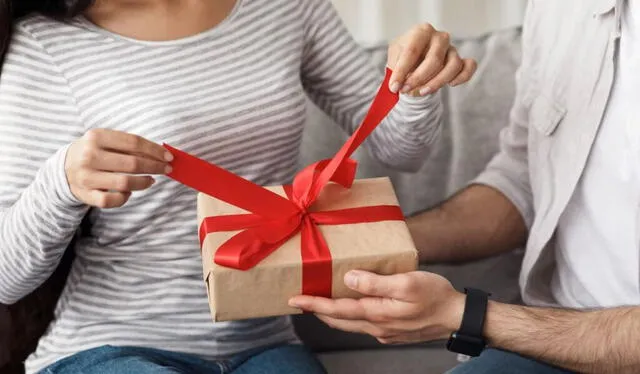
[604,341]
[35,230]
[477,222]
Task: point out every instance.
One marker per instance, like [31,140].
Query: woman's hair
[12,10]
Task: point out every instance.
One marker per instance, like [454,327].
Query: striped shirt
[233,95]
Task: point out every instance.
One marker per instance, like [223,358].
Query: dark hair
[12,10]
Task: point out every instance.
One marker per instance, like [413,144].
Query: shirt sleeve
[508,171]
[340,78]
[38,213]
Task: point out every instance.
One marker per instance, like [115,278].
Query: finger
[123,142]
[469,69]
[405,338]
[100,180]
[451,70]
[410,56]
[122,163]
[337,308]
[374,309]
[104,199]
[358,326]
[433,62]
[398,286]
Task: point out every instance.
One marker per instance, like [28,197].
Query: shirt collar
[602,7]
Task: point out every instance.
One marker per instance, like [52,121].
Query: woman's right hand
[105,166]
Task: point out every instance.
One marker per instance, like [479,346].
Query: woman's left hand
[423,61]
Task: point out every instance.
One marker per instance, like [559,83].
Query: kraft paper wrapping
[263,291]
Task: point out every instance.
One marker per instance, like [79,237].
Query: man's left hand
[396,309]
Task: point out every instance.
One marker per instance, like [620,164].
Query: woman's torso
[232,96]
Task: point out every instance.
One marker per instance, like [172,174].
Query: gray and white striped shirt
[233,95]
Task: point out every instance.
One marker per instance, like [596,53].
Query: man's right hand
[105,166]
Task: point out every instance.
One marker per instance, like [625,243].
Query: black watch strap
[469,338]
[475,310]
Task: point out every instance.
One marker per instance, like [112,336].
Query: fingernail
[351,279]
[406,88]
[168,169]
[425,91]
[293,304]
[168,156]
[395,87]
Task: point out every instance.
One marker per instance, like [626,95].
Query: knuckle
[444,37]
[426,28]
[434,63]
[136,142]
[412,51]
[87,156]
[407,284]
[379,333]
[92,136]
[132,164]
[83,178]
[123,183]
[102,201]
[367,286]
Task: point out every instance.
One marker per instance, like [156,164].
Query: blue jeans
[493,361]
[285,359]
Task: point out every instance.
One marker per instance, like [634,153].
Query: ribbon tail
[382,104]
[245,250]
[228,223]
[226,186]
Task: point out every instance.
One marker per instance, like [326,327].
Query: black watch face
[466,345]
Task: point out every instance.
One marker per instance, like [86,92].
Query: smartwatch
[469,340]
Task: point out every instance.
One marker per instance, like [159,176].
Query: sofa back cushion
[475,114]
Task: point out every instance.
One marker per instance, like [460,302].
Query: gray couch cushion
[474,115]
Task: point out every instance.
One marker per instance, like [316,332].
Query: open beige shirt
[563,87]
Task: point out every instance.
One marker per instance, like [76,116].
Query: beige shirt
[563,87]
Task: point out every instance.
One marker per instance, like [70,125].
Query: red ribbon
[275,219]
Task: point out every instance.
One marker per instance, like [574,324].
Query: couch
[474,115]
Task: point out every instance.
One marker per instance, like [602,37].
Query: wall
[377,21]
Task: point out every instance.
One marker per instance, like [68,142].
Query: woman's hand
[423,61]
[105,166]
[396,309]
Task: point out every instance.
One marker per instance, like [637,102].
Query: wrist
[453,313]
[61,192]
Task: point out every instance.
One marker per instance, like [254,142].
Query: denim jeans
[285,359]
[493,361]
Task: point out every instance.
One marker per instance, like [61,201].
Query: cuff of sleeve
[520,199]
[420,103]
[61,191]
[413,109]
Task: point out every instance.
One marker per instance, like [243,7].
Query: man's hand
[423,61]
[105,166]
[402,308]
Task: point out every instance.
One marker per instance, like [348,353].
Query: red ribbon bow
[274,219]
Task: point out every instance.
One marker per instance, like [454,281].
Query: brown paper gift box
[263,291]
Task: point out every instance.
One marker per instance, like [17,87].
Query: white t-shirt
[598,238]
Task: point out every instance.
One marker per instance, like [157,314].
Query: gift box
[263,245]
[383,247]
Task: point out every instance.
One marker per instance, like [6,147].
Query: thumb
[386,286]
